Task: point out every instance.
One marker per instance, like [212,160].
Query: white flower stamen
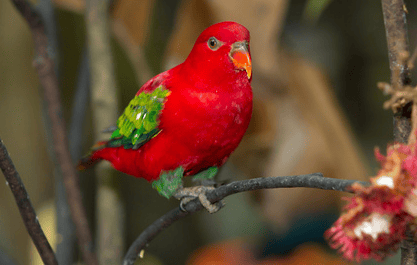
[373,226]
[385,181]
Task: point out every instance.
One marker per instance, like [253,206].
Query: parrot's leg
[206,177]
[169,182]
[188,194]
[206,180]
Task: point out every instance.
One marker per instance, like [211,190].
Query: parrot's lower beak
[241,58]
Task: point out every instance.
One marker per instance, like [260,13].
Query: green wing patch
[139,121]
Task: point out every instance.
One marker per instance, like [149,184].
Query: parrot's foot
[188,194]
[206,177]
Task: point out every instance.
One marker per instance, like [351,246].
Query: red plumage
[204,117]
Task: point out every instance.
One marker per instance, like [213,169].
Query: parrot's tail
[92,158]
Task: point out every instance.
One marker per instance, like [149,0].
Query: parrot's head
[221,53]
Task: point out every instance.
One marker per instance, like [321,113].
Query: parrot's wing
[139,121]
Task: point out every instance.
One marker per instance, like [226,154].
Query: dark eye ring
[212,43]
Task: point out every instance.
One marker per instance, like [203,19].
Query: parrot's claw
[185,195]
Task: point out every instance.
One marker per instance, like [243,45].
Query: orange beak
[241,58]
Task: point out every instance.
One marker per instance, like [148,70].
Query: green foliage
[139,121]
[169,182]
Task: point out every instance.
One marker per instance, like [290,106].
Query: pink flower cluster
[376,217]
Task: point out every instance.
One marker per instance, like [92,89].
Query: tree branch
[397,41]
[65,225]
[48,79]
[398,52]
[27,212]
[315,180]
[65,249]
[103,96]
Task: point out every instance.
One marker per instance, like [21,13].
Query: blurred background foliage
[316,109]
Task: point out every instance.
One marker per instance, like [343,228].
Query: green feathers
[206,174]
[169,182]
[139,121]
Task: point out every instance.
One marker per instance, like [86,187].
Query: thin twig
[25,207]
[65,226]
[315,180]
[48,79]
[79,107]
[46,10]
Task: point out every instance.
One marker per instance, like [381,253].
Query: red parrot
[189,119]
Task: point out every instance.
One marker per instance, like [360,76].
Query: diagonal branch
[315,180]
[25,207]
[48,79]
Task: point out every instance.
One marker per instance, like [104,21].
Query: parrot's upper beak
[240,57]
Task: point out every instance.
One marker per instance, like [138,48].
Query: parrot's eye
[213,43]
